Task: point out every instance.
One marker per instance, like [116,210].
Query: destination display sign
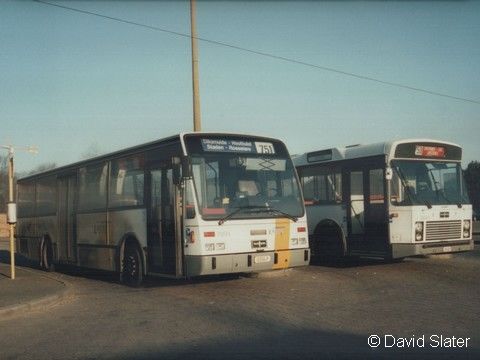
[237,146]
[430,151]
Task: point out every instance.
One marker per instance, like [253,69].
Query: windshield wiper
[437,189]
[404,184]
[271,209]
[427,203]
[236,211]
[259,209]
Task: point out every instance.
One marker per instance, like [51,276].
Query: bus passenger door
[66,219]
[162,252]
[376,217]
[355,209]
[367,210]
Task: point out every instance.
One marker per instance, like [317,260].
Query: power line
[262,53]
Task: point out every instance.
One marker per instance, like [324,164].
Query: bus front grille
[443,230]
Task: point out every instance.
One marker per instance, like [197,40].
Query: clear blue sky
[70,81]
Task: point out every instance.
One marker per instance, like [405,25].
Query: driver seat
[248,187]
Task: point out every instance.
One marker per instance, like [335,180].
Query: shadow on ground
[19,260]
[110,277]
[348,262]
[292,343]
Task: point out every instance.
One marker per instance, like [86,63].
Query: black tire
[132,268]
[328,243]
[46,261]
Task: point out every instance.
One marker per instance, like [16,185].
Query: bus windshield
[427,183]
[245,186]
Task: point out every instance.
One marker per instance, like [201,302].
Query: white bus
[188,205]
[388,200]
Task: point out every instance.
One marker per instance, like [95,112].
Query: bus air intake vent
[443,230]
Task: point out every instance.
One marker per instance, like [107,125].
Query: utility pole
[197,123]
[11,221]
[11,205]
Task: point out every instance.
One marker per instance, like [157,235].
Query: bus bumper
[249,262]
[443,247]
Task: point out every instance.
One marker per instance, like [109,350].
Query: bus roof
[133,149]
[387,148]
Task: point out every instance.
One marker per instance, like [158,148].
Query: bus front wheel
[328,243]
[132,270]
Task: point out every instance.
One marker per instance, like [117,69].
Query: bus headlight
[466,228]
[419,226]
[419,231]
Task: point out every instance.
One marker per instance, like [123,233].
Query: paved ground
[31,289]
[314,312]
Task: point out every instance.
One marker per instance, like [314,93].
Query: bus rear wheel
[46,260]
[132,269]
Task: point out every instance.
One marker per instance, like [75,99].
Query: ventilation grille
[443,230]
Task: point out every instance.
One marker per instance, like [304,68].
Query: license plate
[447,248]
[262,259]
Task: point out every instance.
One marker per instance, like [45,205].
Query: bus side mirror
[186,168]
[181,169]
[388,173]
[177,174]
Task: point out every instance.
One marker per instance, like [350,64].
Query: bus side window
[126,182]
[376,186]
[26,199]
[308,184]
[334,188]
[92,187]
[323,188]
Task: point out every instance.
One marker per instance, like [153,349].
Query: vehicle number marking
[264,148]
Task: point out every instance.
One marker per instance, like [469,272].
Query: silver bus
[188,205]
[388,200]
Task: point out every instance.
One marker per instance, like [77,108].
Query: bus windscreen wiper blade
[259,209]
[404,184]
[271,209]
[427,203]
[236,211]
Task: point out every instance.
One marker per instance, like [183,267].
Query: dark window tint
[46,196]
[93,187]
[26,199]
[127,182]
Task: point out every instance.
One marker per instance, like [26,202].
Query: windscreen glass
[247,184]
[427,183]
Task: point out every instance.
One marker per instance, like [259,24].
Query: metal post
[11,207]
[196,96]
[12,226]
